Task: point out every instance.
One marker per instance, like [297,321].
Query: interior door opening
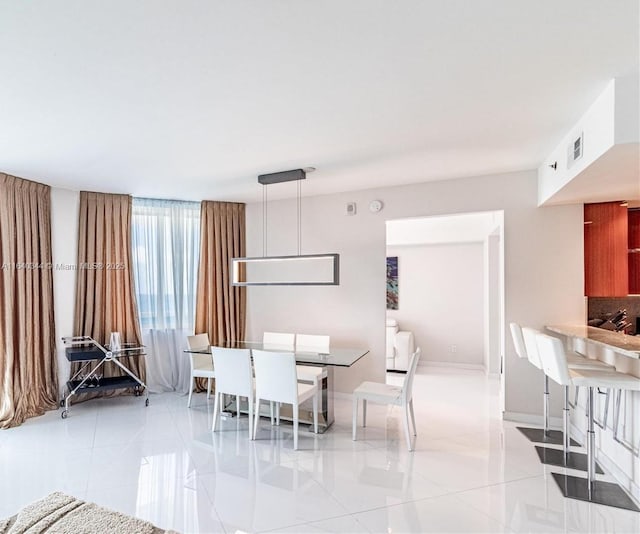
[445,294]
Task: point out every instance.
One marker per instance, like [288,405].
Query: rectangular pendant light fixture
[298,270]
[304,270]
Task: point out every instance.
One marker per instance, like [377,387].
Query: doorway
[445,293]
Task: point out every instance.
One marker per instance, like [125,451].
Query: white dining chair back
[283,340]
[518,340]
[277,381]
[234,376]
[553,359]
[199,342]
[388,394]
[407,386]
[201,363]
[531,347]
[312,343]
[275,376]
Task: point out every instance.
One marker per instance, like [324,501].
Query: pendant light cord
[264,218]
[299,217]
[264,221]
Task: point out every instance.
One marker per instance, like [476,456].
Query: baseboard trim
[531,419]
[452,365]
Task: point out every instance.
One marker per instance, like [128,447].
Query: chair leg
[413,418]
[238,406]
[565,426]
[190,392]
[364,413]
[216,407]
[603,424]
[591,447]
[208,388]
[545,406]
[315,412]
[277,414]
[256,418]
[270,411]
[295,427]
[250,403]
[406,426]
[355,417]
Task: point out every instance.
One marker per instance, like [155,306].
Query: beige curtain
[28,371]
[105,297]
[220,307]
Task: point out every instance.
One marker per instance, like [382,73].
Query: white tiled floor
[471,472]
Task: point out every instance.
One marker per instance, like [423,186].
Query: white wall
[543,268]
[492,307]
[440,299]
[64,244]
[597,126]
[609,165]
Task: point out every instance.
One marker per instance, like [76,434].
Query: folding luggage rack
[88,350]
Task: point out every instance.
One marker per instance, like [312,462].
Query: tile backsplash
[599,307]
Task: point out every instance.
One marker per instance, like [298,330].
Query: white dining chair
[284,341]
[312,343]
[301,342]
[387,394]
[234,376]
[201,363]
[277,381]
[279,340]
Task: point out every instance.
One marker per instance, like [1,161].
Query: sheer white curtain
[166,249]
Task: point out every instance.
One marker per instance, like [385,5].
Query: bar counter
[616,341]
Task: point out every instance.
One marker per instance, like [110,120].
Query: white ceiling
[194,98]
[446,229]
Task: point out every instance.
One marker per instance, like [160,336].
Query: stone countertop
[616,341]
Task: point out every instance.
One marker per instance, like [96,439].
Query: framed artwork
[392,283]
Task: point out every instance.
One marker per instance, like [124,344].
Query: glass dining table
[335,357]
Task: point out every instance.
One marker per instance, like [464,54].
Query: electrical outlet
[453,348]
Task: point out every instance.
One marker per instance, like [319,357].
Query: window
[166,249]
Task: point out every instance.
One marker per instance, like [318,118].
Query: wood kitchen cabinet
[634,251]
[606,245]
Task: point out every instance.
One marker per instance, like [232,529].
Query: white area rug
[60,513]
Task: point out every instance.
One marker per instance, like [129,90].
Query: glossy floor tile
[470,471]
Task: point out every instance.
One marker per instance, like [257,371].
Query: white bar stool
[554,361]
[563,458]
[528,347]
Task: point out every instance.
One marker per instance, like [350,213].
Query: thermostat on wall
[375,206]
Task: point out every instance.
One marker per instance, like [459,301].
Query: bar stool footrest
[606,493]
[552,437]
[576,460]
